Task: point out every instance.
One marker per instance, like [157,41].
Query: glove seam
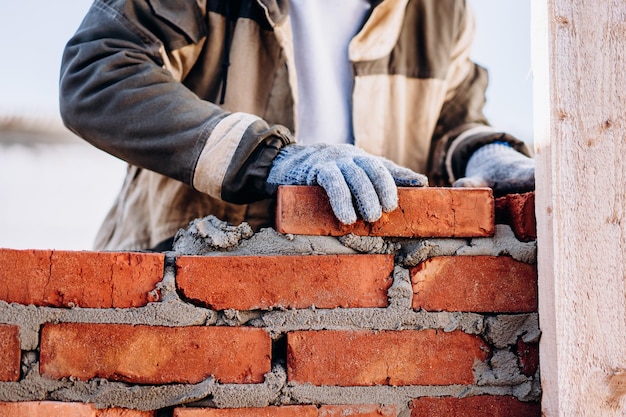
[457,144]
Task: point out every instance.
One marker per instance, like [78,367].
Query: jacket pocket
[185,21]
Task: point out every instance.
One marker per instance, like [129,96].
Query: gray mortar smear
[212,237]
[503,243]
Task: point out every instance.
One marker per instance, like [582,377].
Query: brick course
[362,358]
[154,355]
[261,282]
[82,279]
[422,212]
[496,284]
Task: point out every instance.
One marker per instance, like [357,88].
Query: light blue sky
[32,36]
[503,46]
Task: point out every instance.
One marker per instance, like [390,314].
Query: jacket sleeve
[116,93]
[462,127]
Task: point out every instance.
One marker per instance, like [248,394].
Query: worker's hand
[500,167]
[346,173]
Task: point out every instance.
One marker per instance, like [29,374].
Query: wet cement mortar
[499,375]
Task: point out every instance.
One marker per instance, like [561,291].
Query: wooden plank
[580,129]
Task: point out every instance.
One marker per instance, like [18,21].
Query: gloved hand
[345,171]
[500,167]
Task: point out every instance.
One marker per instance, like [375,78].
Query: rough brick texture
[300,335]
[154,355]
[528,357]
[362,358]
[480,406]
[293,411]
[261,282]
[287,411]
[84,279]
[422,212]
[475,284]
[518,211]
[10,353]
[59,409]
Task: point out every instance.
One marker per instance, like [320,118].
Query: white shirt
[322,30]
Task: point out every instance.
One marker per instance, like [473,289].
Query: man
[206,99]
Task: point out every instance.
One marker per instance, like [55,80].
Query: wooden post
[579,64]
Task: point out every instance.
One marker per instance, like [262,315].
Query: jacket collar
[278,10]
[275,10]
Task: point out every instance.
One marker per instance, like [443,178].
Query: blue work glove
[500,167]
[345,172]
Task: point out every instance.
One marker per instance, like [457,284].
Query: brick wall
[432,311]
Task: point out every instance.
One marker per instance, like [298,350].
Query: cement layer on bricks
[518,211]
[422,212]
[358,410]
[60,409]
[79,279]
[10,353]
[396,358]
[286,411]
[479,406]
[293,411]
[263,282]
[479,284]
[154,355]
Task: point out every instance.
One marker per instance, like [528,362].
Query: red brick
[123,412]
[364,358]
[287,411]
[84,279]
[154,355]
[10,353]
[528,357]
[292,411]
[358,410]
[518,211]
[480,406]
[261,282]
[58,409]
[494,284]
[422,212]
